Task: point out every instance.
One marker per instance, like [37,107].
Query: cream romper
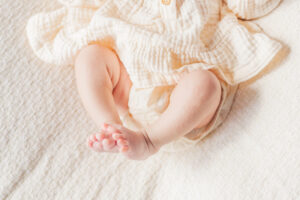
[159,41]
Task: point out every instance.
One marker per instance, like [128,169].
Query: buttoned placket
[166,2]
[168,12]
[168,9]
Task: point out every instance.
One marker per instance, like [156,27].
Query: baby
[104,85]
[171,67]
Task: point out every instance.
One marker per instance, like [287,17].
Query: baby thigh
[98,67]
[122,89]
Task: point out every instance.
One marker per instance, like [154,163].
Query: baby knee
[204,84]
[99,63]
[90,55]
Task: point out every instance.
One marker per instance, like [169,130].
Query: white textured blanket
[255,154]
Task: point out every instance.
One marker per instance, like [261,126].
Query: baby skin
[104,85]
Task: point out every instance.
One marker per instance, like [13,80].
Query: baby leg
[193,103]
[102,83]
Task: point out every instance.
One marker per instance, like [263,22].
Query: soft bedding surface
[255,154]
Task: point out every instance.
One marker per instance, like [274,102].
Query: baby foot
[133,145]
[116,138]
[103,141]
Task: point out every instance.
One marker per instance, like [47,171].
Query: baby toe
[117,136]
[108,144]
[100,136]
[97,146]
[122,142]
[92,138]
[90,143]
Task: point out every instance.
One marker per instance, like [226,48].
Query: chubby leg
[103,83]
[103,86]
[193,103]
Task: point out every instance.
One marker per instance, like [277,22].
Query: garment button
[166,2]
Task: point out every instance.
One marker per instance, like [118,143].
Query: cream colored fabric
[43,128]
[158,43]
[250,9]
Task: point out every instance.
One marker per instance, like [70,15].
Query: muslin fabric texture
[158,43]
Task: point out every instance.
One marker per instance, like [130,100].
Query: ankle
[153,147]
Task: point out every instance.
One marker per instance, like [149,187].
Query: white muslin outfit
[158,41]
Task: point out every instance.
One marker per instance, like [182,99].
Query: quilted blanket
[254,154]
